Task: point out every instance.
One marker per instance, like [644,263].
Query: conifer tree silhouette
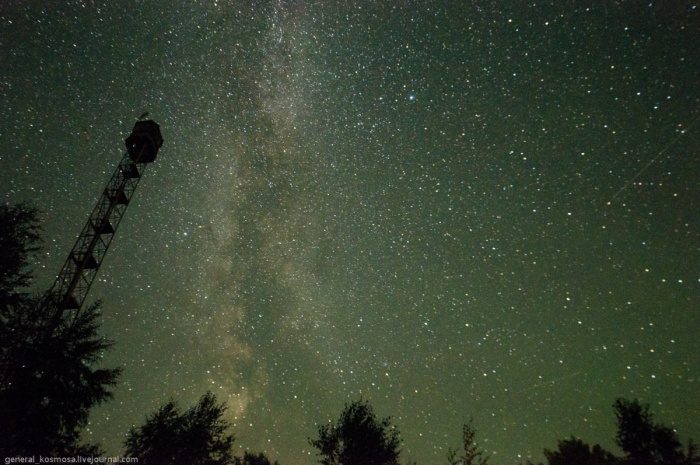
[19,242]
[472,454]
[47,380]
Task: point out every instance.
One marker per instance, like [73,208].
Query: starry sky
[451,209]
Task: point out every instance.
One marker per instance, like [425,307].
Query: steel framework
[80,268]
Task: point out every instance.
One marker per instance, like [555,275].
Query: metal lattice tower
[80,268]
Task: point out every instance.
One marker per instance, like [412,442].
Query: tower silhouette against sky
[70,289]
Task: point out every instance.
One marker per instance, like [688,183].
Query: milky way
[450,211]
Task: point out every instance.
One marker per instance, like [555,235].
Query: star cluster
[450,209]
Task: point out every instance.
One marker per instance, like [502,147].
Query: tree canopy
[254,459]
[19,242]
[472,454]
[48,382]
[574,451]
[198,436]
[644,441]
[358,438]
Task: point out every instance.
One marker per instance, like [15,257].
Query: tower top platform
[144,141]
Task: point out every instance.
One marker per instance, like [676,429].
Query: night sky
[485,209]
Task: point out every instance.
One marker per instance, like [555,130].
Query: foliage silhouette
[645,442]
[574,451]
[472,454]
[196,437]
[253,459]
[358,438]
[47,380]
[642,441]
[19,241]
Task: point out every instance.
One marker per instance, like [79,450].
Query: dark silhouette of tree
[635,431]
[358,438]
[643,441]
[472,454]
[19,241]
[692,457]
[253,459]
[669,450]
[574,451]
[47,380]
[50,386]
[196,437]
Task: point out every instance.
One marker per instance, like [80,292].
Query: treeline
[49,382]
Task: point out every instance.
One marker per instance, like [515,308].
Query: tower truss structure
[73,283]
